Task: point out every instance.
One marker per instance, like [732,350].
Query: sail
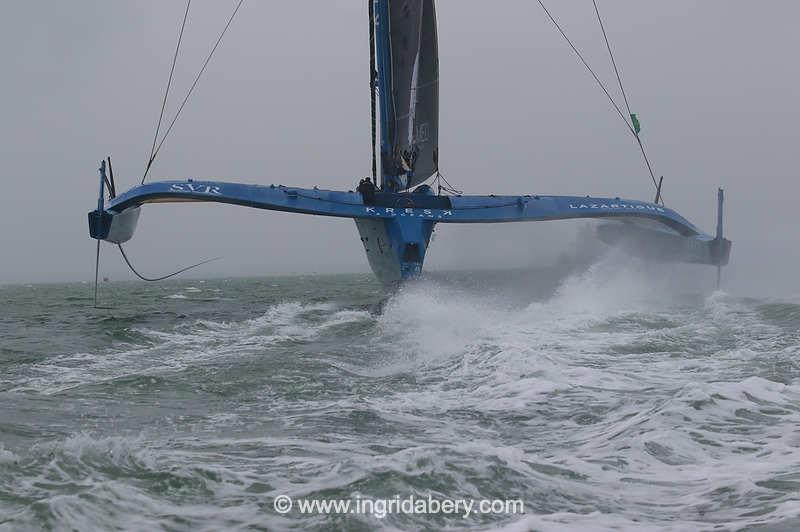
[408,78]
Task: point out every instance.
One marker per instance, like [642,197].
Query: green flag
[636,126]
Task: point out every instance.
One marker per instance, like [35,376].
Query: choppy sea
[608,399]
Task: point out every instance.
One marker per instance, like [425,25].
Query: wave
[187,344]
[623,400]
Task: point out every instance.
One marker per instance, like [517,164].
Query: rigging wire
[602,85]
[447,187]
[611,55]
[373,75]
[194,84]
[580,56]
[112,187]
[627,105]
[153,279]
[166,92]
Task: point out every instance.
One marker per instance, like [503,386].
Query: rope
[166,92]
[448,187]
[627,105]
[372,77]
[611,55]
[602,86]
[306,196]
[112,187]
[580,56]
[153,279]
[194,84]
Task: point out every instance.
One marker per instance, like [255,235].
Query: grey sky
[285,100]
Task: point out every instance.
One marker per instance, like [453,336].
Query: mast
[384,59]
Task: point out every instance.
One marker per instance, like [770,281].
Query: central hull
[395,247]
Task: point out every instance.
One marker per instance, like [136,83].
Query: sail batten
[408,77]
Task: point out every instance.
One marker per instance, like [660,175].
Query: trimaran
[396,223]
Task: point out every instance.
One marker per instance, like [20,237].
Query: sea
[617,397]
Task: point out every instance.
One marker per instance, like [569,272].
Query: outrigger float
[395,225]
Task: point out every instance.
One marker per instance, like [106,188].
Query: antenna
[658,190]
[720,201]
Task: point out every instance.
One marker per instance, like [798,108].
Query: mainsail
[408,81]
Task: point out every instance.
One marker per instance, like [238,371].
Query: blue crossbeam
[346,204]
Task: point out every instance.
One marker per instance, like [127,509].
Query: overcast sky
[285,100]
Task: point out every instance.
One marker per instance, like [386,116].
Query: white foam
[186,345]
[7,457]
[616,404]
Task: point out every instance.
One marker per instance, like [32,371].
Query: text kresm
[406,211]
